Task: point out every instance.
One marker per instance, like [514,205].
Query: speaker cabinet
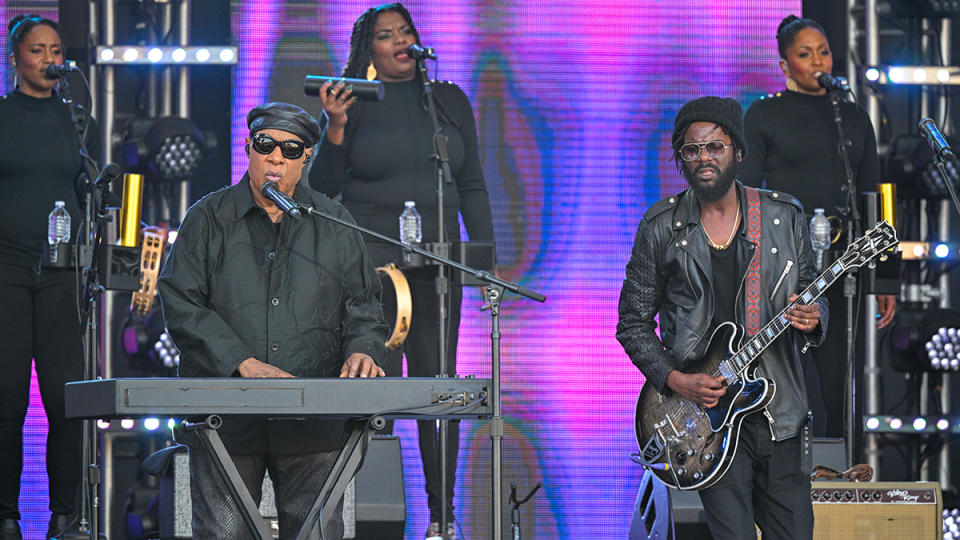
[877,510]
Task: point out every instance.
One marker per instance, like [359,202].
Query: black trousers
[423,360]
[296,482]
[827,370]
[766,485]
[39,321]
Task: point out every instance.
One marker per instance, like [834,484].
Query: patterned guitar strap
[753,271]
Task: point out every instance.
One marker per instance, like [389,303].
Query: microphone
[109,173]
[56,71]
[362,88]
[283,201]
[936,140]
[420,53]
[825,80]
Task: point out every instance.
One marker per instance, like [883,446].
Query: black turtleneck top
[792,147]
[387,161]
[39,164]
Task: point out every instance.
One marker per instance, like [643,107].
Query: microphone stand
[494,292]
[441,159]
[852,218]
[89,237]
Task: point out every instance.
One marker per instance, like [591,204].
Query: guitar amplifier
[877,510]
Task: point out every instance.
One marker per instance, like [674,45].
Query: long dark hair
[361,55]
[21,25]
[790,26]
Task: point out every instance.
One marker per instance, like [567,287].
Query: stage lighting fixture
[913,75]
[169,149]
[147,345]
[910,424]
[156,55]
[926,340]
[910,160]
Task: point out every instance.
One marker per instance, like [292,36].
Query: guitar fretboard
[736,364]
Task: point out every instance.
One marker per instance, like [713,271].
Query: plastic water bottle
[58,229]
[410,228]
[819,235]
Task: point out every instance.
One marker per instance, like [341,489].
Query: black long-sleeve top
[39,164]
[302,296]
[792,146]
[387,162]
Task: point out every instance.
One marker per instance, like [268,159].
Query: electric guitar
[690,447]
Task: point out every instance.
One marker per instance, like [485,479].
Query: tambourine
[399,303]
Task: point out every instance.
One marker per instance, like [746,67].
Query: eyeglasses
[290,148]
[691,151]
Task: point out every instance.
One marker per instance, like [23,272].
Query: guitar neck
[751,350]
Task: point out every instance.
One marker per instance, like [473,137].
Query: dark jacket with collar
[302,296]
[669,275]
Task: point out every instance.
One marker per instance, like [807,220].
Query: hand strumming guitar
[697,387]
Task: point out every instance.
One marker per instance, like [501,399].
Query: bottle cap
[818,210]
[409,203]
[59,203]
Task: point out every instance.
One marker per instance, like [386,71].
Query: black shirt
[39,164]
[792,147]
[726,280]
[387,162]
[303,297]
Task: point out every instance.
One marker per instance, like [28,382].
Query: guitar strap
[753,271]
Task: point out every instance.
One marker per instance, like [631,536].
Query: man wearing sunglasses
[714,253]
[249,291]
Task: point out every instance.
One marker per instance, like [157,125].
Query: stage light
[917,75]
[941,251]
[919,424]
[154,55]
[895,423]
[157,55]
[943,424]
[150,424]
[168,149]
[872,423]
[127,424]
[103,424]
[171,423]
[926,340]
[908,158]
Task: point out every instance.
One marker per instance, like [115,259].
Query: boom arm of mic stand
[479,274]
[942,167]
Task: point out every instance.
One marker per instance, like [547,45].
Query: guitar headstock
[874,242]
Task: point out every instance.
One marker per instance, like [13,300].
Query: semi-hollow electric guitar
[690,447]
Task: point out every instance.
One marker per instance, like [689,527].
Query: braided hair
[21,25]
[790,26]
[361,55]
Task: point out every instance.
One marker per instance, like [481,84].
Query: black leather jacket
[669,274]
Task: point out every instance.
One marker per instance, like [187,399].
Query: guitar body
[685,445]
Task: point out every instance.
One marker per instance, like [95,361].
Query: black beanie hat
[285,117]
[725,112]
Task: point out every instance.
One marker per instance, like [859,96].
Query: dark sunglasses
[290,148]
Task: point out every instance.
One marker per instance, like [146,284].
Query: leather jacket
[669,274]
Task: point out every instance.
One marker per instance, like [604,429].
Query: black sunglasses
[290,148]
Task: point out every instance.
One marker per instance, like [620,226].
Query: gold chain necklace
[716,246]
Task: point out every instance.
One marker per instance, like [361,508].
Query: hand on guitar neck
[699,388]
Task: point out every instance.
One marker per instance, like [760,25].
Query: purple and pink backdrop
[574,105]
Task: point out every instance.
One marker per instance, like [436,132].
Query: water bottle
[58,229]
[819,235]
[410,229]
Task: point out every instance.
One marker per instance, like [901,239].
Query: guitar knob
[691,452]
[681,471]
[682,458]
[697,475]
[708,456]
